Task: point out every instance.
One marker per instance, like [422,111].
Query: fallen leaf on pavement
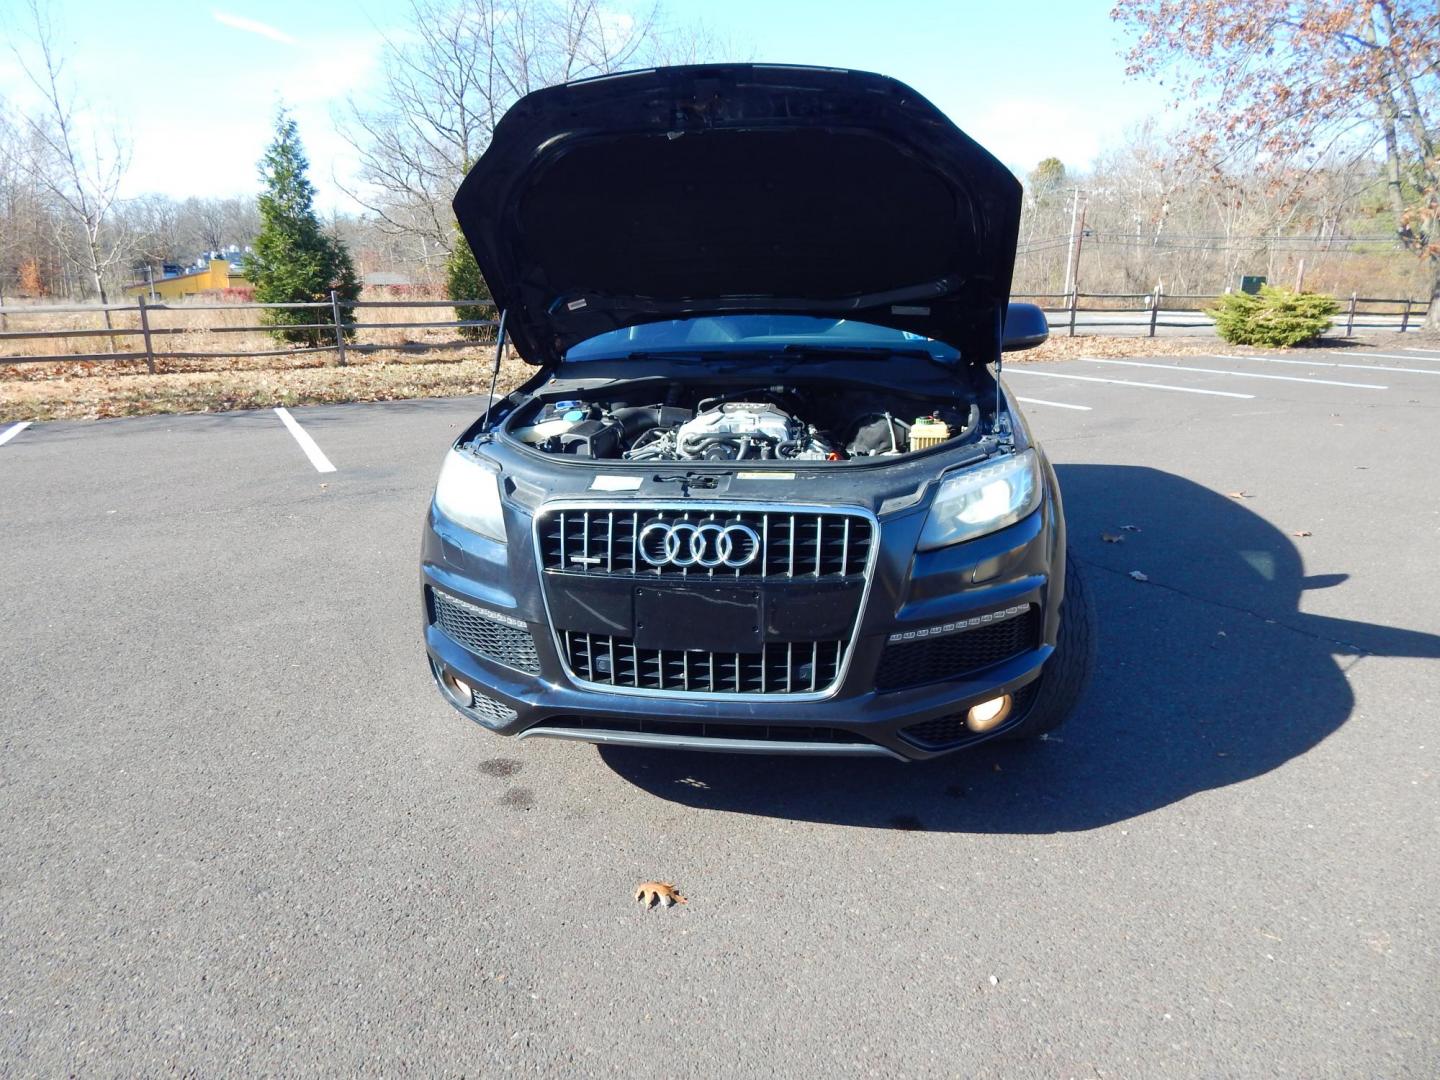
[1130,528]
[1138,576]
[1301,532]
[1112,538]
[1238,495]
[663,893]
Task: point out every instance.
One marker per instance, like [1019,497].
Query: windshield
[718,333]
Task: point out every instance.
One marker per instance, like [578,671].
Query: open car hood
[739,188]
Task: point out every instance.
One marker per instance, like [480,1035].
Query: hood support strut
[495,371]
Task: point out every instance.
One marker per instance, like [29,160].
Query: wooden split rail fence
[1157,309]
[152,336]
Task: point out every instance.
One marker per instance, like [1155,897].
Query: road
[243,834]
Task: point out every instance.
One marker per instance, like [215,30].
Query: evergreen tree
[463,282]
[294,260]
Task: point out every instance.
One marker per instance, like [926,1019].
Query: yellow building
[213,278]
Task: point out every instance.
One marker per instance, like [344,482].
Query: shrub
[1276,318]
[463,282]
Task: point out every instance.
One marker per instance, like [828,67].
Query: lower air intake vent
[955,655]
[484,633]
[796,667]
[493,711]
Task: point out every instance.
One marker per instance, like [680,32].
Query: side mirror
[1025,327]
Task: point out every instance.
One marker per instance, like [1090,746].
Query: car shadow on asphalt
[1209,674]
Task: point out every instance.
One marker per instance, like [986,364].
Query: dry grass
[383,365]
[1105,346]
[90,394]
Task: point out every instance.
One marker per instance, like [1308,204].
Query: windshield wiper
[880,351]
[660,354]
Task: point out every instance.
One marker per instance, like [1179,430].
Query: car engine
[759,424]
[735,431]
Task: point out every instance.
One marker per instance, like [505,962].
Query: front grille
[796,667]
[484,633]
[953,656]
[704,730]
[798,544]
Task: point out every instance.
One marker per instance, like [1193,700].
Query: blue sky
[195,86]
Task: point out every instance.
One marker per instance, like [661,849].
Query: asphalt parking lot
[243,833]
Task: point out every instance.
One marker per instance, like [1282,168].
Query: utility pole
[1072,257]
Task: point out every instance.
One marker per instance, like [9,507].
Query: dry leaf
[1301,532]
[663,893]
[1238,495]
[1130,528]
[1138,576]
[1112,538]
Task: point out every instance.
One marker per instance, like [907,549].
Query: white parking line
[1402,356]
[13,430]
[1127,382]
[1416,348]
[312,451]
[1327,363]
[1236,374]
[1052,404]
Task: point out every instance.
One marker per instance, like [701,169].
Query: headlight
[469,494]
[980,500]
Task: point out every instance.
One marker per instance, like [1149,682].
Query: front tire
[1065,675]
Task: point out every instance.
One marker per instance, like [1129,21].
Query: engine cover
[736,419]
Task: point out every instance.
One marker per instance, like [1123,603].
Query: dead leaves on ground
[216,391]
[1238,495]
[650,893]
[1112,538]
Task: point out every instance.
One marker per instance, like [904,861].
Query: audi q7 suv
[764,492]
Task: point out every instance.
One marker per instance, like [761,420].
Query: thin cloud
[250,26]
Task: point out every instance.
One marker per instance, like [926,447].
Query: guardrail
[337,327]
[1157,302]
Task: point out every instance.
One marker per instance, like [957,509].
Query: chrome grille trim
[814,543]
[848,515]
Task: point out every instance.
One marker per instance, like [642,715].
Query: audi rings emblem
[707,544]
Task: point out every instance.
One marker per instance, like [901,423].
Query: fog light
[461,689]
[988,714]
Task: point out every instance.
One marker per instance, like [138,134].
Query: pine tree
[294,260]
[463,282]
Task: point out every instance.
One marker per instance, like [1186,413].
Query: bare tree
[12,193]
[452,74]
[71,165]
[151,223]
[217,224]
[1287,86]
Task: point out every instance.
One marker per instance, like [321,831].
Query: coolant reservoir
[927,431]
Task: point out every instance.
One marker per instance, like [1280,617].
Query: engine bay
[753,423]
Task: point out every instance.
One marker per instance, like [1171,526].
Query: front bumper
[1021,566]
